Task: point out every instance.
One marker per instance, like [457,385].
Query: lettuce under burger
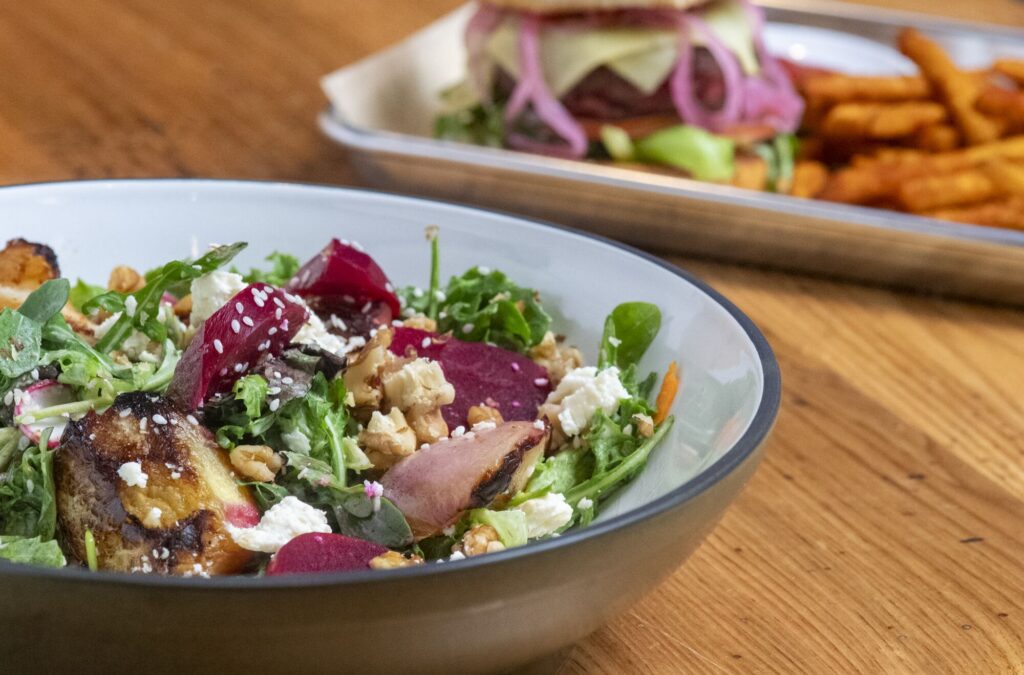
[548,76]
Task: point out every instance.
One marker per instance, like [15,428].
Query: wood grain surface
[885,530]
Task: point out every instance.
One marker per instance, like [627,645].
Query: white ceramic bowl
[489,613]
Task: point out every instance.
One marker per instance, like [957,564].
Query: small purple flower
[373,491]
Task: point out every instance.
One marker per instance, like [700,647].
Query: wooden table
[885,530]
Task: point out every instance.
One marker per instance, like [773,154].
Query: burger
[686,83]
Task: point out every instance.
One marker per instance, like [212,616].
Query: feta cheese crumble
[152,519]
[546,515]
[584,391]
[280,524]
[212,291]
[132,474]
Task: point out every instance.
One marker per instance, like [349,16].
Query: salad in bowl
[200,420]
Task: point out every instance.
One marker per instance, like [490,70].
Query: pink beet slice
[318,552]
[260,320]
[480,373]
[342,275]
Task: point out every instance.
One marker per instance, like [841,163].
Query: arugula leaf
[479,124]
[20,344]
[603,483]
[282,268]
[140,310]
[82,292]
[628,331]
[46,301]
[31,551]
[28,505]
[559,473]
[492,307]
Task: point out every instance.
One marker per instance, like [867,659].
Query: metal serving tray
[383,110]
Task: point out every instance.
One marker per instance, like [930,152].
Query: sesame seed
[219,346]
[541,382]
[388,287]
[235,326]
[159,419]
[9,398]
[258,300]
[275,404]
[284,325]
[238,368]
[142,425]
[240,308]
[417,292]
[192,420]
[349,299]
[248,321]
[277,314]
[468,328]
[287,380]
[223,371]
[515,404]
[279,303]
[425,343]
[274,391]
[272,331]
[366,308]
[35,373]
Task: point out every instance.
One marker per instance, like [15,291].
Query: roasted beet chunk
[481,374]
[258,322]
[342,278]
[318,552]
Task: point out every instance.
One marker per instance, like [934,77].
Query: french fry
[957,89]
[836,88]
[881,120]
[1008,177]
[1011,68]
[857,186]
[751,173]
[809,179]
[1003,103]
[1008,213]
[930,193]
[936,138]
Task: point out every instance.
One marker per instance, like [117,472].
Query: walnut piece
[257,462]
[387,439]
[124,279]
[393,560]
[362,377]
[644,425]
[421,323]
[556,358]
[478,540]
[183,307]
[483,413]
[429,427]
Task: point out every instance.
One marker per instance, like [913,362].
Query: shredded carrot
[667,394]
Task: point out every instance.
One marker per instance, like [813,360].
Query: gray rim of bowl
[743,448]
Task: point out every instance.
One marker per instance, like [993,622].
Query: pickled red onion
[533,89]
[682,85]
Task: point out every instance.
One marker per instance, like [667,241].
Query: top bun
[567,6]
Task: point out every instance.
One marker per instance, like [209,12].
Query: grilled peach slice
[154,488]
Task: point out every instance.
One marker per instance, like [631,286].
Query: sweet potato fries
[947,143]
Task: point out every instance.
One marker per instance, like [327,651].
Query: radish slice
[44,394]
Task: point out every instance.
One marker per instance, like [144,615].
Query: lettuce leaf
[31,551]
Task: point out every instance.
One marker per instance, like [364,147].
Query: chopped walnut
[124,279]
[478,540]
[421,323]
[362,377]
[644,425]
[258,462]
[393,560]
[183,307]
[429,427]
[556,358]
[483,413]
[388,438]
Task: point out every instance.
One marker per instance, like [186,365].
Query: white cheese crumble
[585,503]
[545,515]
[584,391]
[315,333]
[132,474]
[212,291]
[283,522]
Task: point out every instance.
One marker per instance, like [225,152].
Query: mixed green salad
[201,420]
